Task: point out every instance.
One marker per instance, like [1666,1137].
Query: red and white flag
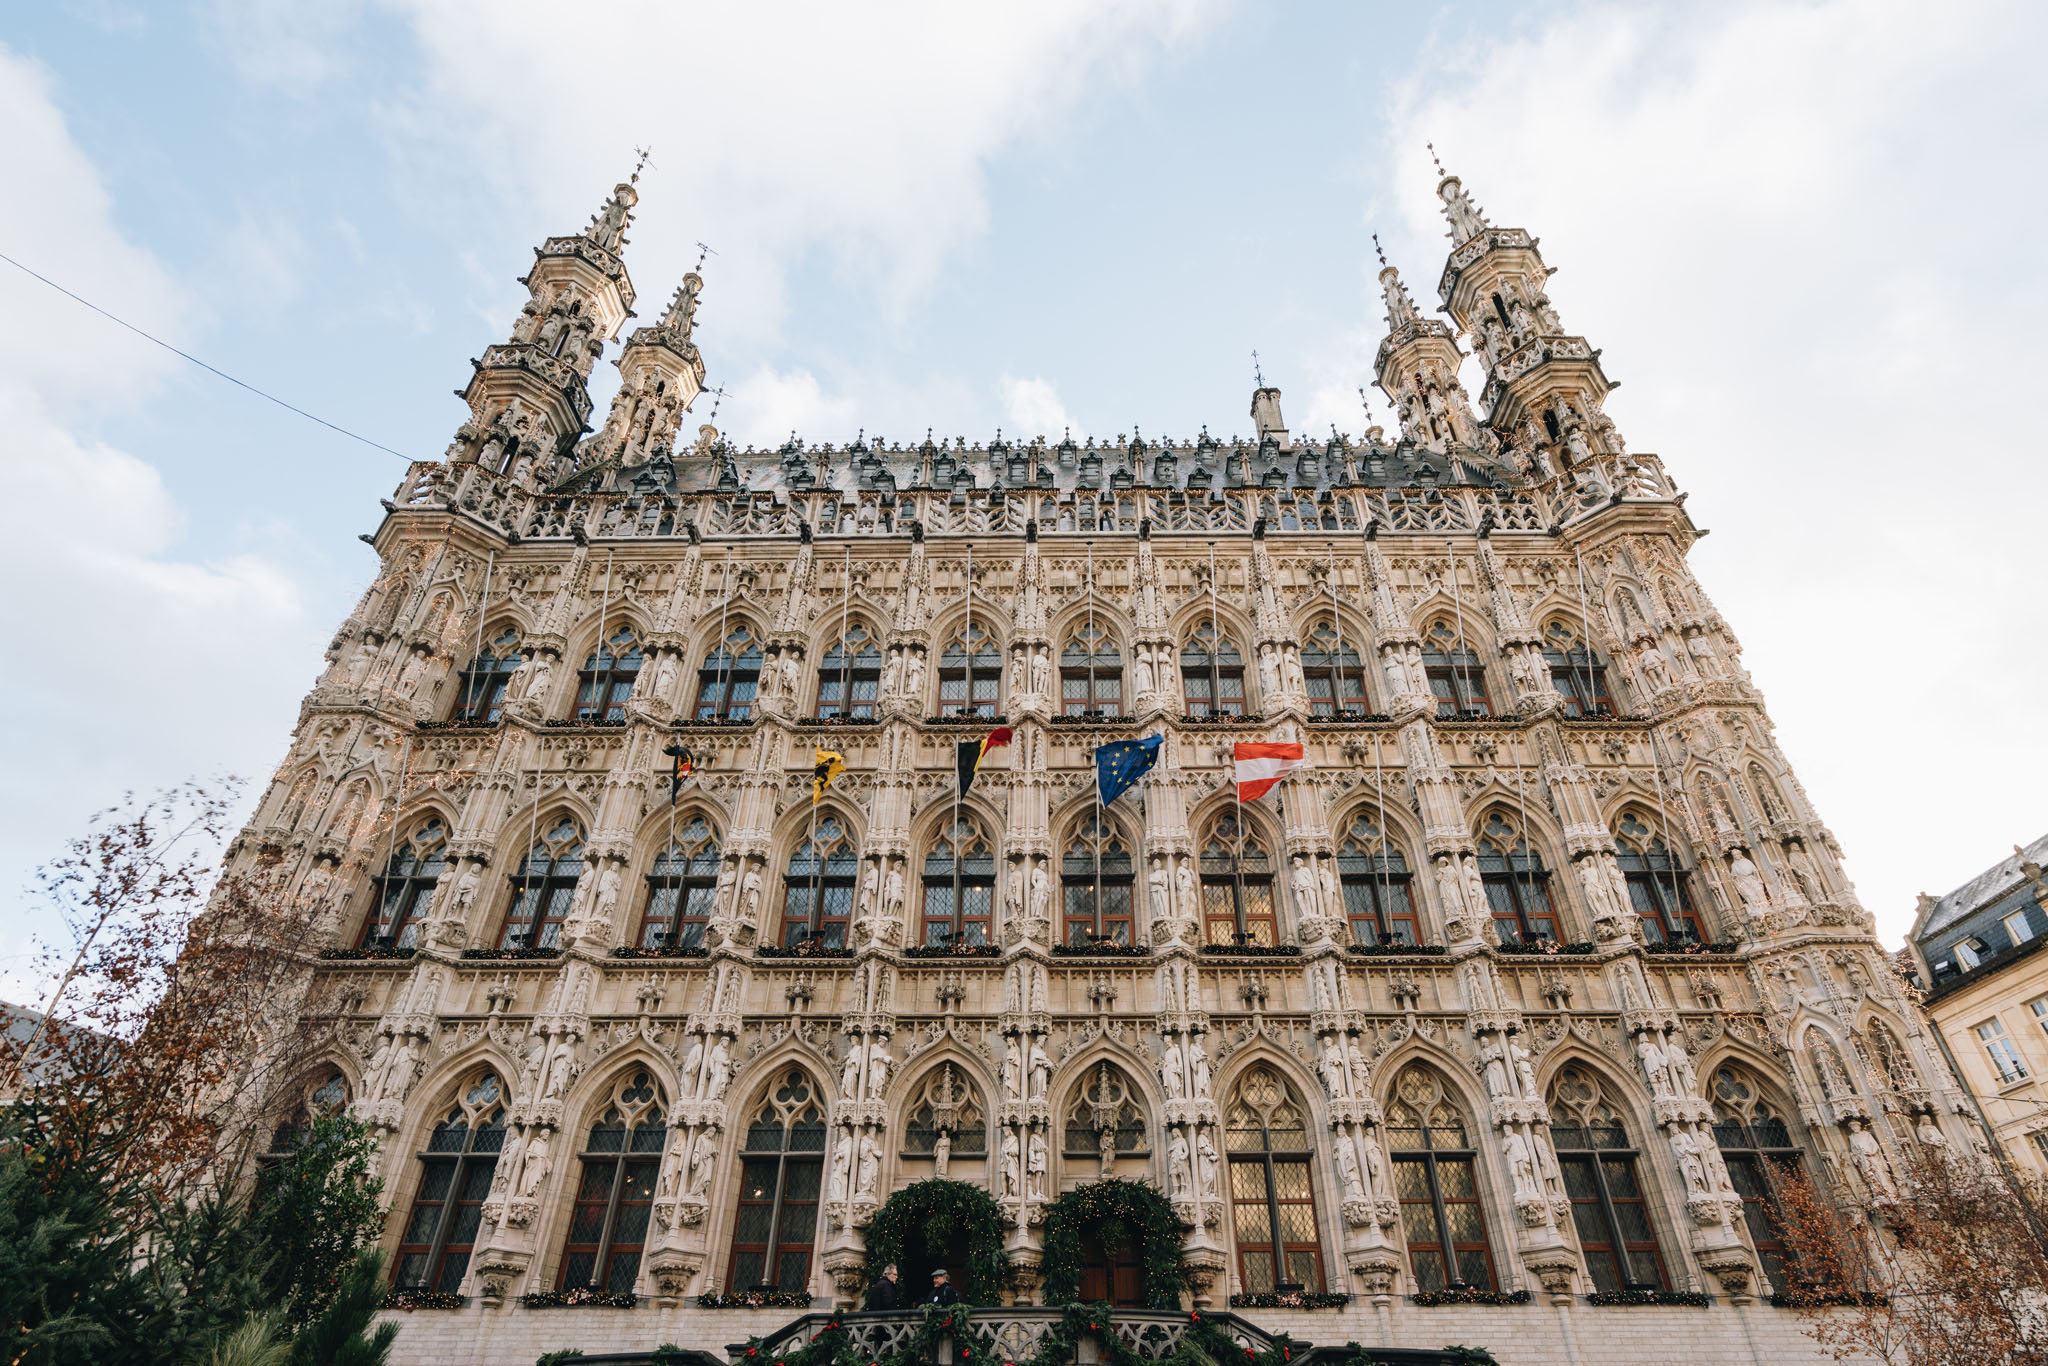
[1259,766]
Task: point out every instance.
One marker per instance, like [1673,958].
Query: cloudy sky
[1802,233]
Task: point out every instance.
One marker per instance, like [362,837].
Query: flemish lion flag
[831,764]
[681,764]
[972,752]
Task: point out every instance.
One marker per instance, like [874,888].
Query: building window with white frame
[1998,1046]
[2016,926]
[2039,1005]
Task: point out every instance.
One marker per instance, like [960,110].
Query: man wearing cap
[942,1289]
[885,1293]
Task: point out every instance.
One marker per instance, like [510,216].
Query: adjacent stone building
[1977,953]
[1506,1001]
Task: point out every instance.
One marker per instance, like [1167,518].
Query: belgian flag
[972,752]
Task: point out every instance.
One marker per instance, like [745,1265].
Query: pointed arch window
[1212,674]
[1379,900]
[1105,1119]
[946,1113]
[1598,1162]
[850,675]
[970,674]
[1576,672]
[543,888]
[680,890]
[1272,1190]
[1656,884]
[481,696]
[1456,678]
[456,1173]
[1517,884]
[817,894]
[1333,672]
[1091,673]
[730,678]
[1095,885]
[1437,1183]
[406,891]
[1237,885]
[607,678]
[1755,1144]
[959,886]
[329,1097]
[781,1169]
[615,1193]
[1895,1064]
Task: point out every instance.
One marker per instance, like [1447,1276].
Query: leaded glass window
[781,1170]
[456,1173]
[1272,1188]
[1436,1181]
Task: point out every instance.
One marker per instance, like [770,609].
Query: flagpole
[845,647]
[1101,807]
[601,675]
[1463,675]
[675,920]
[721,705]
[967,709]
[483,607]
[817,864]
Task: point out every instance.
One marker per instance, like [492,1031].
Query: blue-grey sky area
[1800,232]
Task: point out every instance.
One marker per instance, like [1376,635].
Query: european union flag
[1119,765]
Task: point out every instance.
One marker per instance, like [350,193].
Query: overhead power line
[214,369]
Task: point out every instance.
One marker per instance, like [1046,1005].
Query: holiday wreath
[1107,1212]
[924,1219]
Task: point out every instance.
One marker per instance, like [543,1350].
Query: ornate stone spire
[608,226]
[1401,308]
[1467,220]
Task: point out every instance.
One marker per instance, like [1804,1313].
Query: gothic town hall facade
[1493,1013]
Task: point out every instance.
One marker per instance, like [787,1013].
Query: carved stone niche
[1203,1267]
[496,1274]
[1733,1269]
[848,1271]
[670,1275]
[1556,1273]
[1377,1273]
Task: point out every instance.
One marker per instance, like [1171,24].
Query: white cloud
[1033,408]
[1794,230]
[777,131]
[770,404]
[139,662]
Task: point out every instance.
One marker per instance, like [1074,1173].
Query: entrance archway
[940,1223]
[1116,1240]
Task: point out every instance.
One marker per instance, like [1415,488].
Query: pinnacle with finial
[1378,250]
[1440,172]
[1258,375]
[646,155]
[702,252]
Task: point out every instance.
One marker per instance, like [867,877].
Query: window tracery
[1379,900]
[1754,1140]
[543,888]
[1658,886]
[1091,672]
[970,674]
[681,889]
[959,885]
[1333,671]
[457,1172]
[481,694]
[1095,883]
[1105,1117]
[1599,1164]
[1575,671]
[1212,674]
[947,1118]
[1272,1187]
[1456,678]
[1436,1182]
[731,678]
[850,675]
[406,891]
[817,892]
[1517,884]
[781,1166]
[621,1159]
[1237,884]
[607,678]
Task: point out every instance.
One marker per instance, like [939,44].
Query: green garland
[1203,1344]
[1143,1215]
[926,1216]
